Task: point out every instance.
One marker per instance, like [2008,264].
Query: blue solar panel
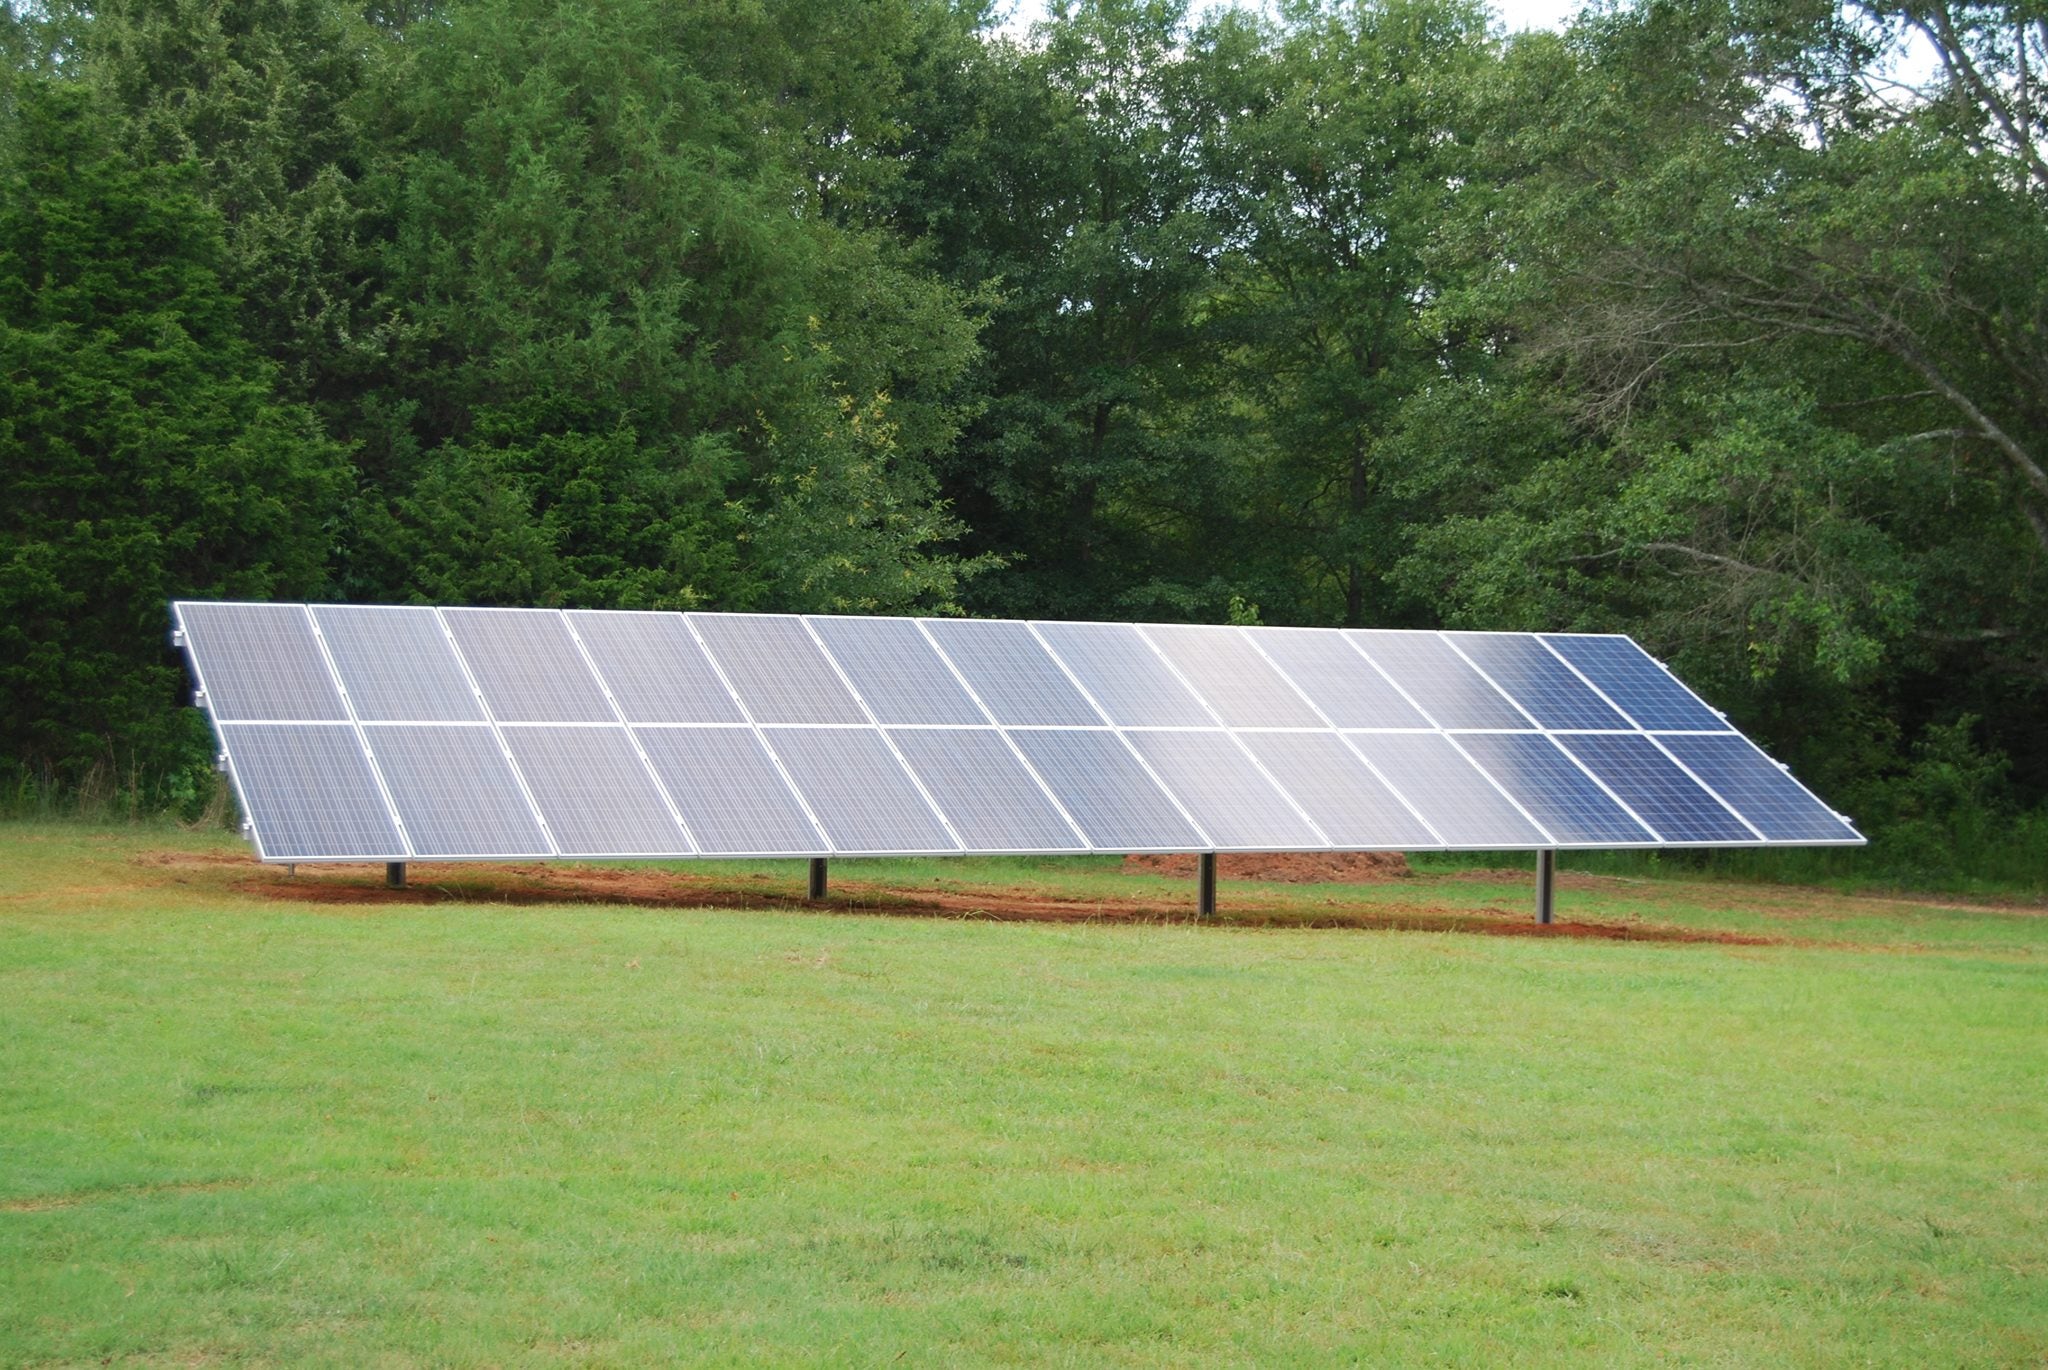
[1228,672]
[858,790]
[1107,791]
[261,661]
[777,669]
[1324,666]
[527,666]
[455,790]
[893,668]
[1448,790]
[310,792]
[1651,783]
[1219,784]
[729,792]
[590,785]
[1011,673]
[656,670]
[1781,808]
[1131,682]
[1352,806]
[1641,688]
[1543,685]
[1441,681]
[1550,785]
[984,790]
[397,665]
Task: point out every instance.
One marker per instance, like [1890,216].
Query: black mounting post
[394,874]
[1205,885]
[817,877]
[1546,885]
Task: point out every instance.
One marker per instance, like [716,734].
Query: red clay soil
[1290,867]
[539,883]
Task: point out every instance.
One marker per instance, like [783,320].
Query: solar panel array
[396,733]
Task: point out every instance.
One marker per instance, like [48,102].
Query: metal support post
[1546,885]
[817,877]
[1205,885]
[394,874]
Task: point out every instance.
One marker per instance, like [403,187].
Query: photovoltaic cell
[896,671]
[1440,680]
[1355,810]
[396,664]
[1644,690]
[1107,792]
[1550,786]
[1539,682]
[777,669]
[1228,672]
[656,670]
[1651,783]
[455,791]
[858,791]
[310,791]
[1127,678]
[1343,684]
[597,797]
[261,661]
[984,791]
[527,666]
[1781,808]
[1217,783]
[729,792]
[1011,673]
[1448,790]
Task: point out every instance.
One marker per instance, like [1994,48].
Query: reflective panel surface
[780,674]
[397,664]
[984,790]
[1553,788]
[527,666]
[1639,687]
[654,668]
[261,661]
[596,795]
[310,791]
[896,670]
[1121,808]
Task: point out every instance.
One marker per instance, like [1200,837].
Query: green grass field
[237,1125]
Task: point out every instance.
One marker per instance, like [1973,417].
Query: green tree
[142,453]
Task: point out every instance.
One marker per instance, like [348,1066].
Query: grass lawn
[237,1125]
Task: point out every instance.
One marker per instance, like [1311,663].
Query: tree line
[1723,323]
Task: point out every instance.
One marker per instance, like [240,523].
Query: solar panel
[594,791]
[455,791]
[1781,808]
[898,674]
[310,792]
[1117,804]
[1651,783]
[261,661]
[1221,787]
[779,672]
[1449,690]
[1352,806]
[1129,680]
[1555,791]
[655,668]
[861,794]
[1632,678]
[984,790]
[544,733]
[1341,683]
[1228,672]
[1448,790]
[397,665]
[1012,674]
[1547,689]
[728,790]
[527,666]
